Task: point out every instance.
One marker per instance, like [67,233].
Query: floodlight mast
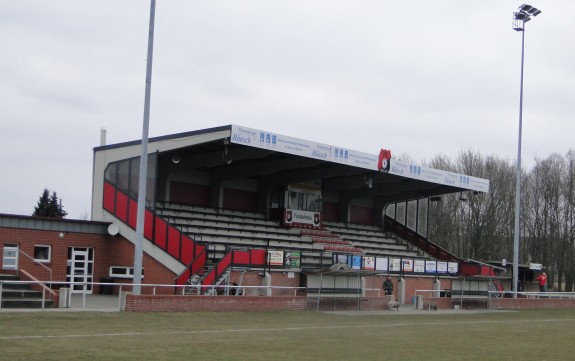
[139,245]
[519,19]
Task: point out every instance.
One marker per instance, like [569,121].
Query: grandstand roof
[278,159]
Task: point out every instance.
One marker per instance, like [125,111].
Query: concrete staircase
[20,295]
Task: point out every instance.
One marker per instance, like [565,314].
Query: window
[42,253]
[10,257]
[123,272]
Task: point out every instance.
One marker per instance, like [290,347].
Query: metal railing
[491,297]
[35,261]
[82,298]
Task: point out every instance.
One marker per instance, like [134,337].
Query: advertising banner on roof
[381,162]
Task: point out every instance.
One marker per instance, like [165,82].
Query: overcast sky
[417,77]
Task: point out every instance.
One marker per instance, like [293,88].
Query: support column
[266,282]
[437,288]
[401,291]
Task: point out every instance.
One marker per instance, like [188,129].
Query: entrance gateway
[80,269]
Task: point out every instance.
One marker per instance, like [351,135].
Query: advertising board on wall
[302,217]
[399,265]
[276,258]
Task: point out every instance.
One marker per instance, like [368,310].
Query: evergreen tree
[49,206]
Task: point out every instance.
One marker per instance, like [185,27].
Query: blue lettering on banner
[397,170]
[262,137]
[413,169]
[336,153]
[239,139]
[318,154]
[346,154]
[274,139]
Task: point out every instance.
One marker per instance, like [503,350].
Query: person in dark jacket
[388,286]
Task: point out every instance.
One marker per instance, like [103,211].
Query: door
[10,257]
[80,269]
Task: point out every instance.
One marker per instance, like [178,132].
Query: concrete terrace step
[8,277]
[20,293]
[26,303]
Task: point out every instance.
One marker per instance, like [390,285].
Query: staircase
[20,295]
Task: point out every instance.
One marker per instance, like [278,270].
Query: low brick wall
[525,303]
[328,303]
[442,303]
[165,303]
[501,303]
[178,303]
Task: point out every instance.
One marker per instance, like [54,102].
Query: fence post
[43,295]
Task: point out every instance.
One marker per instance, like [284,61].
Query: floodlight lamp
[225,156]
[534,12]
[525,8]
[521,16]
[369,183]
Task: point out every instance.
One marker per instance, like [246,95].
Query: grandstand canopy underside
[214,152]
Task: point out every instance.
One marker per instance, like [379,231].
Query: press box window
[42,253]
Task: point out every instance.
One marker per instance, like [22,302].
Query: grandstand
[217,192]
[239,211]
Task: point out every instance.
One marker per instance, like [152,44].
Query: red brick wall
[27,239]
[108,251]
[414,283]
[121,253]
[164,303]
[328,303]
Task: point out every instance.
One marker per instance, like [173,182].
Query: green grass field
[520,335]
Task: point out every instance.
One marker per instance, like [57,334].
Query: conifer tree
[49,206]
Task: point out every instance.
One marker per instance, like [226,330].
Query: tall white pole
[139,249]
[518,178]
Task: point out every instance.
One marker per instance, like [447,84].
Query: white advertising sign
[407,265]
[441,267]
[452,267]
[381,264]
[276,258]
[368,263]
[303,217]
[419,266]
[395,264]
[430,266]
